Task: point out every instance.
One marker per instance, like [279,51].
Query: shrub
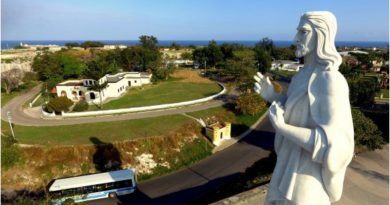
[10,153]
[30,76]
[362,91]
[59,104]
[81,106]
[250,103]
[366,132]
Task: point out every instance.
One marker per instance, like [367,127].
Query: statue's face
[305,39]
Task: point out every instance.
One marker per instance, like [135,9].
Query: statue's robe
[317,99]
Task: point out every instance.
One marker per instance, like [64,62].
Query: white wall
[145,108]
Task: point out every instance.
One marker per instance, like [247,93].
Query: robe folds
[317,99]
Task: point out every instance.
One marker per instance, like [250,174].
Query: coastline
[8,44]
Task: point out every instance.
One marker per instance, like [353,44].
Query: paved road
[367,179]
[19,116]
[192,182]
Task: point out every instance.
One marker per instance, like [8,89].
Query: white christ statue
[313,122]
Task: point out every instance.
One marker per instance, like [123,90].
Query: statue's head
[316,35]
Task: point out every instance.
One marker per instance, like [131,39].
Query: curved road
[19,116]
[188,184]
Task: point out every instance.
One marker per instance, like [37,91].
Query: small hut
[217,131]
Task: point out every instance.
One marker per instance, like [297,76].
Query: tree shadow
[370,173]
[20,196]
[106,157]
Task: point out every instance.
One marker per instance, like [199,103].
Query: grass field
[283,73]
[162,93]
[106,131]
[240,122]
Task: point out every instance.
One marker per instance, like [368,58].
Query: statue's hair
[325,25]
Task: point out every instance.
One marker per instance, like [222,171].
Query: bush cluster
[81,106]
[10,153]
[367,134]
[250,104]
[59,104]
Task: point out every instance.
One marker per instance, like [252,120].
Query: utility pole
[205,67]
[10,124]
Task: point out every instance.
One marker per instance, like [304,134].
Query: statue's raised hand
[264,87]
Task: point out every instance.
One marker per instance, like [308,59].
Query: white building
[348,53]
[117,84]
[286,65]
[111,47]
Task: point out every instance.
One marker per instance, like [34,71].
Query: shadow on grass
[22,196]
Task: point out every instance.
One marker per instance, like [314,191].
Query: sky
[358,20]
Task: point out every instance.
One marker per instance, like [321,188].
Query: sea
[7,44]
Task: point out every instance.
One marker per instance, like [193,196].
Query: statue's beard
[300,51]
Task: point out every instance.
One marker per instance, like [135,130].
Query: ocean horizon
[7,44]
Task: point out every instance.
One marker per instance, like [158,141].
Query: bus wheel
[112,195]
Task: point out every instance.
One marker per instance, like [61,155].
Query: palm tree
[99,88]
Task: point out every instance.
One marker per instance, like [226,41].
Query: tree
[99,87]
[283,54]
[100,66]
[150,42]
[200,56]
[362,91]
[241,66]
[214,54]
[250,104]
[72,44]
[59,104]
[266,44]
[48,66]
[264,49]
[175,46]
[72,67]
[186,56]
[227,50]
[366,132]
[11,79]
[131,58]
[92,44]
[263,59]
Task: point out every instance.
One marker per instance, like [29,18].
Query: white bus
[93,186]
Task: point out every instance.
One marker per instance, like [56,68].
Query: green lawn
[162,93]
[283,73]
[240,123]
[106,131]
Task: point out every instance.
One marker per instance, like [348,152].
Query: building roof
[114,78]
[216,125]
[92,179]
[72,83]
